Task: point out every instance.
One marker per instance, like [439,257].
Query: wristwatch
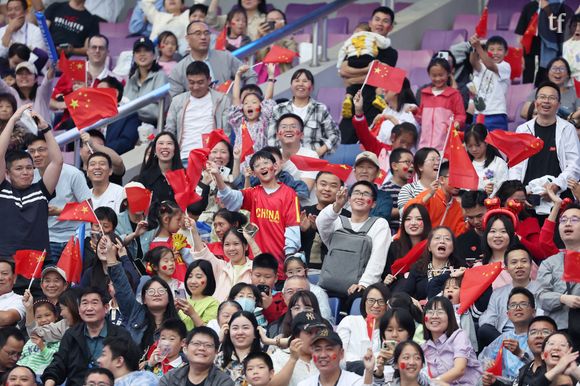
[44,131]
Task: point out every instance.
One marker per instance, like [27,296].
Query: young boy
[401,163]
[166,354]
[491,77]
[259,369]
[273,207]
[264,274]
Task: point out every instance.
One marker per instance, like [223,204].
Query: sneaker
[379,103]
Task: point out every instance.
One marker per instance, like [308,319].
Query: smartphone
[251,228]
[225,171]
[180,293]
[534,199]
[271,25]
[264,288]
[389,344]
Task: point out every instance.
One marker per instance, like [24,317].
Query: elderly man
[11,307]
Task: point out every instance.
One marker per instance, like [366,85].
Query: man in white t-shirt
[491,78]
[104,193]
[197,111]
[11,307]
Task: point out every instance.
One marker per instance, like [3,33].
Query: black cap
[143,42]
[329,335]
[307,320]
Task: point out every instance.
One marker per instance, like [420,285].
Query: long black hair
[228,346]
[509,227]
[308,299]
[152,162]
[478,132]
[404,242]
[170,311]
[405,95]
[423,263]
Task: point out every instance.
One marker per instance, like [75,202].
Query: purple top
[441,354]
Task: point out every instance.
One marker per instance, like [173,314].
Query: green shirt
[206,309]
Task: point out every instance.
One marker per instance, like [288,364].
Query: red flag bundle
[222,39]
[404,264]
[481,27]
[89,105]
[195,164]
[308,164]
[342,171]
[70,261]
[74,69]
[183,190]
[279,54]
[386,77]
[78,211]
[370,326]
[376,128]
[514,57]
[530,33]
[475,281]
[571,266]
[497,367]
[28,263]
[381,177]
[462,174]
[516,146]
[247,142]
[138,199]
[213,138]
[577,88]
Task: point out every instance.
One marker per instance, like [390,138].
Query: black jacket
[71,362]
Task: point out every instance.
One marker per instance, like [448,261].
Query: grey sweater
[178,377]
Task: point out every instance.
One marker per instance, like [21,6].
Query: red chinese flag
[247,143]
[404,264]
[530,33]
[183,190]
[89,105]
[224,87]
[462,174]
[308,164]
[138,199]
[75,69]
[370,326]
[279,54]
[480,119]
[78,211]
[516,146]
[515,57]
[70,261]
[577,88]
[481,27]
[381,177]
[195,164]
[221,40]
[475,281]
[386,77]
[571,266]
[342,171]
[376,129]
[213,138]
[497,367]
[28,263]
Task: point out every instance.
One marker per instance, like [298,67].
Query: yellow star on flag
[74,103]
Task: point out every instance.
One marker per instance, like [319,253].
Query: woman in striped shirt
[426,165]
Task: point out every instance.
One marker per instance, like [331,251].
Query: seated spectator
[67,37]
[409,359]
[120,355]
[139,25]
[258,369]
[236,29]
[448,353]
[94,141]
[521,311]
[352,329]
[256,17]
[559,360]
[190,114]
[367,168]
[401,167]
[494,320]
[18,30]
[201,347]
[161,263]
[20,375]
[222,64]
[165,355]
[469,242]
[362,197]
[201,306]
[98,60]
[249,298]
[224,220]
[426,165]
[145,76]
[122,135]
[440,201]
[29,219]
[225,311]
[69,311]
[167,46]
[276,19]
[98,375]
[171,18]
[53,284]
[71,187]
[304,301]
[103,192]
[73,358]
[321,133]
[264,275]
[11,345]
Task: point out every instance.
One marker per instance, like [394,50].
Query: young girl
[167,47]
[224,314]
[251,109]
[162,263]
[236,29]
[397,111]
[69,312]
[448,352]
[486,159]
[451,290]
[37,354]
[249,298]
[559,359]
[409,359]
[439,103]
[201,306]
[170,218]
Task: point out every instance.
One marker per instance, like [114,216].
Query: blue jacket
[122,135]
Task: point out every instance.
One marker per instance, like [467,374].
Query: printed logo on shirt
[268,214]
[552,148]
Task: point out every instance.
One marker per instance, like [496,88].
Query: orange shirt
[436,206]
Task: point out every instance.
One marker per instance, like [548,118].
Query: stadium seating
[435,40]
[468,22]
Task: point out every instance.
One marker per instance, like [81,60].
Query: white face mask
[247,304]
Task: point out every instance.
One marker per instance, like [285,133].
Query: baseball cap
[27,65]
[329,335]
[367,156]
[143,42]
[307,320]
[58,270]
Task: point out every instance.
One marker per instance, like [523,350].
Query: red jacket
[366,138]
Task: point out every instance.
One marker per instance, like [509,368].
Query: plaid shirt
[319,127]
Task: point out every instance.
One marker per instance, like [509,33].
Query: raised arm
[5,137]
[238,84]
[118,166]
[487,61]
[269,93]
[52,172]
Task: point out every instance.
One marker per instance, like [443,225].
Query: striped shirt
[393,189]
[408,192]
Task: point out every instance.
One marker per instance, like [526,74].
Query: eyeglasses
[200,33]
[543,332]
[521,305]
[434,160]
[558,70]
[371,302]
[13,354]
[39,150]
[549,98]
[572,219]
[158,291]
[439,313]
[406,162]
[289,127]
[92,383]
[206,346]
[358,193]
